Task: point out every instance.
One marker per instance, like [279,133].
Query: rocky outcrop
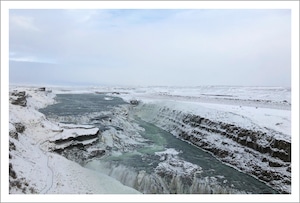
[182,177]
[13,134]
[19,183]
[19,127]
[43,89]
[15,129]
[18,98]
[257,140]
[256,152]
[77,143]
[134,102]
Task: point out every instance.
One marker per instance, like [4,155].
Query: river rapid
[155,161]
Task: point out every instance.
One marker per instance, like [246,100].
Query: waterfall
[157,184]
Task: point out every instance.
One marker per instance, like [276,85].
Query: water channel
[144,159]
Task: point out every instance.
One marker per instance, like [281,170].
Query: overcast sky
[150,47]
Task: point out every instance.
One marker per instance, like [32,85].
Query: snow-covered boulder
[18,98]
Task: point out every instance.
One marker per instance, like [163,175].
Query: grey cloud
[153,47]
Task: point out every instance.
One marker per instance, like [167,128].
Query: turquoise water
[210,165]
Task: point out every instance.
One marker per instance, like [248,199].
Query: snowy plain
[256,106]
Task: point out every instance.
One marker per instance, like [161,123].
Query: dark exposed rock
[19,127]
[78,138]
[58,131]
[18,94]
[21,184]
[134,102]
[12,146]
[43,89]
[19,101]
[275,164]
[13,134]
[277,148]
[285,149]
[96,153]
[101,118]
[18,98]
[12,173]
[80,153]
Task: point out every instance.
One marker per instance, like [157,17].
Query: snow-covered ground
[33,169]
[253,108]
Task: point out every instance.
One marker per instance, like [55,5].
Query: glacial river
[75,107]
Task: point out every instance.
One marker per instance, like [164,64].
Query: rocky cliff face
[18,98]
[256,152]
[77,142]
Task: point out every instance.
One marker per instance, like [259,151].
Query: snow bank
[71,178]
[74,133]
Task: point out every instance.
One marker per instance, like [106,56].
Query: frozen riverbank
[233,138]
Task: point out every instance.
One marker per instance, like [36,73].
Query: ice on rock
[74,133]
[169,151]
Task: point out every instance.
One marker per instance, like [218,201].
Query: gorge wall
[257,152]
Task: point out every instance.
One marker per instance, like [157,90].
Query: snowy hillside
[32,168]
